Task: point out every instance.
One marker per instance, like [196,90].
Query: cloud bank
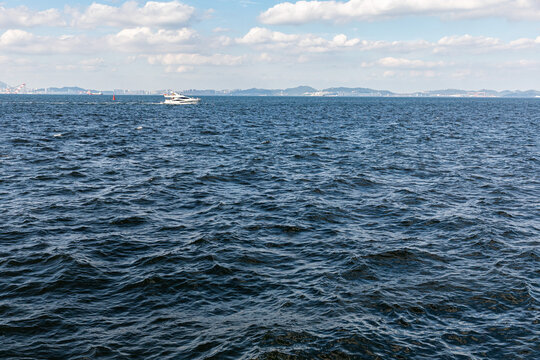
[129,14]
[150,37]
[173,13]
[303,12]
[23,17]
[266,39]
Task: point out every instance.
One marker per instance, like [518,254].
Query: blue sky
[399,45]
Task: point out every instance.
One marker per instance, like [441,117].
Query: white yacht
[174,98]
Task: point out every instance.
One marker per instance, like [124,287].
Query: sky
[397,45]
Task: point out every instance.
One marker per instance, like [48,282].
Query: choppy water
[269,228]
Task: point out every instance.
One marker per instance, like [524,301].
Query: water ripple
[269,228]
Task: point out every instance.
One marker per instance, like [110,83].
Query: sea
[269,228]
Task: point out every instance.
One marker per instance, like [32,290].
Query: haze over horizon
[402,46]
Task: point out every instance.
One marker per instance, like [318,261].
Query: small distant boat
[173,98]
[94,92]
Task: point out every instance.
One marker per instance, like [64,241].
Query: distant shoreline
[105,94]
[302,91]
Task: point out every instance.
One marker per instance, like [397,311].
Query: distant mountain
[199,92]
[518,93]
[488,92]
[363,92]
[478,93]
[252,92]
[63,90]
[345,91]
[297,91]
[67,90]
[446,92]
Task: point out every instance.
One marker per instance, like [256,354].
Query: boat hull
[181,102]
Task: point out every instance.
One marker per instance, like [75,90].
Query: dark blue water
[269,228]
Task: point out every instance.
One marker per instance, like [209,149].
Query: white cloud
[525,43]
[342,41]
[390,67]
[222,41]
[14,61]
[195,59]
[402,63]
[366,10]
[263,37]
[23,42]
[464,42]
[146,35]
[21,16]
[148,41]
[259,35]
[468,40]
[179,69]
[265,57]
[394,46]
[129,14]
[137,40]
[144,39]
[479,44]
[153,13]
[521,64]
[16,37]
